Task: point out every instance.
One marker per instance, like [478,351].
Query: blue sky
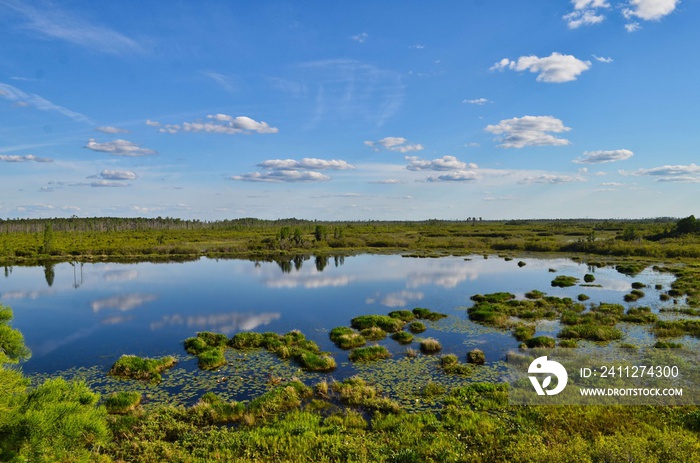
[370,110]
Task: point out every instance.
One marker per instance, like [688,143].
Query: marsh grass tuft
[430,346]
[373,333]
[428,314]
[416,327]
[368,354]
[541,341]
[131,366]
[402,337]
[476,357]
[385,322]
[564,281]
[122,402]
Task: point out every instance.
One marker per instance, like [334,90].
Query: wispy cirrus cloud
[119,148]
[30,99]
[555,68]
[47,20]
[520,132]
[477,101]
[602,156]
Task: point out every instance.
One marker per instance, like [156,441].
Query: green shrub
[668,345]
[535,294]
[428,314]
[246,340]
[523,332]
[568,343]
[211,358]
[589,278]
[582,297]
[373,333]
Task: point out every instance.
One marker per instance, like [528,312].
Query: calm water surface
[86,315]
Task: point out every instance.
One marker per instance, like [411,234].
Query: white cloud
[305,163]
[443,163]
[552,179]
[118,175]
[152,123]
[478,101]
[555,68]
[389,181]
[595,157]
[456,176]
[529,131]
[23,99]
[579,18]
[398,144]
[649,10]
[632,27]
[219,123]
[603,59]
[583,4]
[23,158]
[668,173]
[280,176]
[119,148]
[110,129]
[361,37]
[108,184]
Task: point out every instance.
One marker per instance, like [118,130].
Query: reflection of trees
[8,271]
[285,265]
[339,260]
[299,261]
[321,263]
[49,272]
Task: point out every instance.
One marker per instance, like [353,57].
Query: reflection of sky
[149,309]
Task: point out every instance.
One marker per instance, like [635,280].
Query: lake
[79,318]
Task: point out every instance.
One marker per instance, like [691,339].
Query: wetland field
[303,341]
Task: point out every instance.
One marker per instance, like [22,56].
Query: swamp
[388,355]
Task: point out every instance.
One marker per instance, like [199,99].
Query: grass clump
[246,340]
[639,315]
[535,294]
[676,328]
[634,295]
[211,359]
[568,343]
[405,315]
[385,322]
[402,337]
[493,298]
[668,345]
[541,341]
[346,338]
[582,297]
[427,314]
[430,346]
[131,366]
[209,348]
[589,278]
[373,333]
[432,389]
[122,402]
[476,356]
[451,365]
[368,354]
[213,409]
[294,345]
[591,332]
[280,399]
[564,281]
[355,391]
[638,285]
[523,332]
[416,327]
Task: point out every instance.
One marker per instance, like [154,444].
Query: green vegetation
[293,345]
[122,402]
[564,281]
[385,322]
[476,356]
[430,346]
[404,315]
[402,337]
[523,332]
[541,341]
[209,348]
[582,297]
[373,333]
[451,365]
[427,314]
[131,366]
[634,295]
[346,338]
[668,345]
[589,278]
[355,391]
[416,327]
[369,353]
[639,315]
